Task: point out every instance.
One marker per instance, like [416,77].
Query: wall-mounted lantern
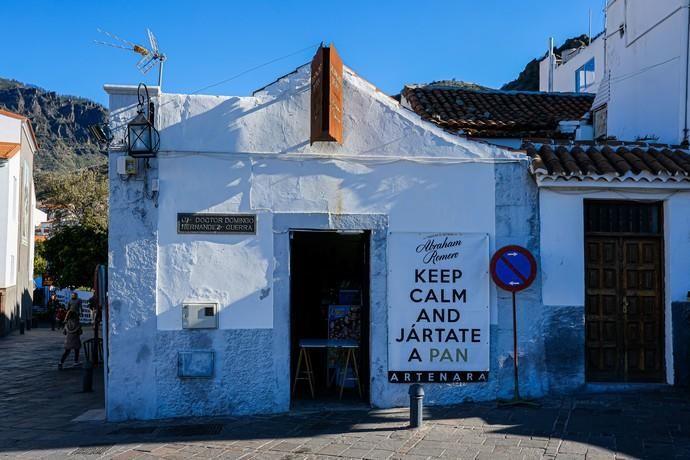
[143,139]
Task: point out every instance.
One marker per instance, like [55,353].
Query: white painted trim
[30,136]
[603,185]
[129,90]
[668,311]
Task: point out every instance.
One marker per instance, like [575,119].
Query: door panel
[601,309]
[624,309]
[643,316]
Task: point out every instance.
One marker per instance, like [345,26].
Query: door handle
[625,305]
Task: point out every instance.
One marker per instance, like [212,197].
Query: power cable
[255,68]
[233,77]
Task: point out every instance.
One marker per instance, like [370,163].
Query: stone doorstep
[92,415]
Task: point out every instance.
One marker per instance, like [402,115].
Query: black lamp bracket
[144,98]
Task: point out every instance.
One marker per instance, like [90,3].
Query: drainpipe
[686,142]
[551,64]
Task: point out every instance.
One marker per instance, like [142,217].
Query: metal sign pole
[517,400]
[513,268]
[516,391]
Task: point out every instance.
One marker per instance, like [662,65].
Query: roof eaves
[17,116]
[8,150]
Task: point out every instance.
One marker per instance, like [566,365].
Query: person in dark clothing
[72,333]
[60,314]
[53,305]
[75,304]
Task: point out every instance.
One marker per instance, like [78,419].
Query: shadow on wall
[10,319]
[27,303]
[4,324]
[224,126]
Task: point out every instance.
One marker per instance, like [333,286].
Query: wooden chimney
[326,96]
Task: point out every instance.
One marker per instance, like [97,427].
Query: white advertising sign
[438,308]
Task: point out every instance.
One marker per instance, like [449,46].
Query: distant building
[42,225]
[576,70]
[639,70]
[17,202]
[506,118]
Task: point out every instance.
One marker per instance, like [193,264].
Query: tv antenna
[150,57]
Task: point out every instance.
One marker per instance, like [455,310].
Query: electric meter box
[200,315]
[126,165]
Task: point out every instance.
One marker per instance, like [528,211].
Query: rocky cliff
[61,124]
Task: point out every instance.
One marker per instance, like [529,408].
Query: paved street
[38,405]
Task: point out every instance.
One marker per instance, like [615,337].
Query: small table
[348,345]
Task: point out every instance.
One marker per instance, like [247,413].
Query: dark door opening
[624,298]
[329,315]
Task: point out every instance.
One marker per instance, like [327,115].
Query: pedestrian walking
[75,304]
[72,333]
[60,314]
[53,305]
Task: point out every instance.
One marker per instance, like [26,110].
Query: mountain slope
[61,125]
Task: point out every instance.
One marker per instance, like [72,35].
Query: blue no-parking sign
[513,268]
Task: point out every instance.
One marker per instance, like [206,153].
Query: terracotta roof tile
[8,150]
[633,161]
[493,113]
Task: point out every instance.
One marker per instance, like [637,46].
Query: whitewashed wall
[10,131]
[252,154]
[237,270]
[5,210]
[226,167]
[647,69]
[9,226]
[562,246]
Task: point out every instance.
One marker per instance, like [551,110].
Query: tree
[79,241]
[79,198]
[40,263]
[73,252]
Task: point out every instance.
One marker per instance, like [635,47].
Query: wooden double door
[624,308]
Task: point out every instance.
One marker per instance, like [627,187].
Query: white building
[645,93]
[639,72]
[306,228]
[17,203]
[576,70]
[319,209]
[42,226]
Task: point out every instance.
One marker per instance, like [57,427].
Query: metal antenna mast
[150,57]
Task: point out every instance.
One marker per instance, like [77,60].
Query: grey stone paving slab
[38,405]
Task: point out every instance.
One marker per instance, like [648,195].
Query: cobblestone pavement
[38,405]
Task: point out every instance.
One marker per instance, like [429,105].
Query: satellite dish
[150,57]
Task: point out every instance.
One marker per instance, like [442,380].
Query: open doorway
[329,315]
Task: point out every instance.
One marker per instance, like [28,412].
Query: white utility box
[126,165]
[200,315]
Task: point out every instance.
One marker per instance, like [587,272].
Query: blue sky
[389,43]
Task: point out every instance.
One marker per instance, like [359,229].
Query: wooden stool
[308,371]
[350,354]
